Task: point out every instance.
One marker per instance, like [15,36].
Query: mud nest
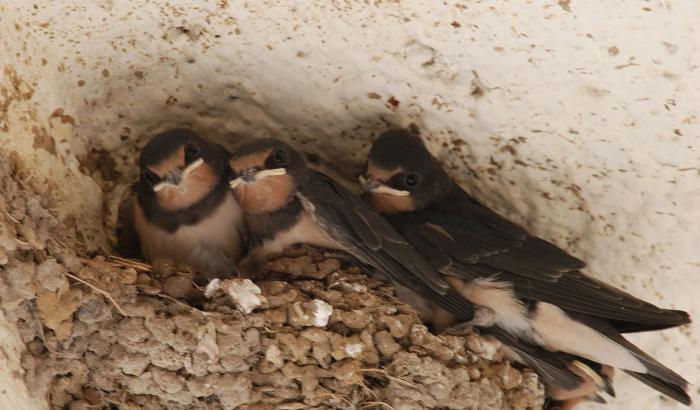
[102,332]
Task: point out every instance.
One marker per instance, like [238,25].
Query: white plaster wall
[578,119]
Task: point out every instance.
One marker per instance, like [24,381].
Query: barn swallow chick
[531,288]
[182,207]
[286,203]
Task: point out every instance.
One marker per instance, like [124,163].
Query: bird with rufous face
[181,208]
[287,203]
[524,284]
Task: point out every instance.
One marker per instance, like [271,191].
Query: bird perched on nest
[181,208]
[522,283]
[286,203]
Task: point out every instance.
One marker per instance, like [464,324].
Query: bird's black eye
[149,176]
[280,157]
[192,151]
[412,180]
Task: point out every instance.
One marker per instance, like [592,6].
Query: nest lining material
[101,332]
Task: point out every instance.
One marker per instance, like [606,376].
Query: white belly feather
[211,246]
[548,326]
[305,231]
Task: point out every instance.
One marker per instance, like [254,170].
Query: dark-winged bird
[530,288]
[181,207]
[287,203]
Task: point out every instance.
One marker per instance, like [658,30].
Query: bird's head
[265,174]
[178,168]
[401,175]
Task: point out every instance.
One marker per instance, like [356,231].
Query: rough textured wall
[577,118]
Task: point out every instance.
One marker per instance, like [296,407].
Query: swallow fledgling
[531,288]
[287,203]
[181,207]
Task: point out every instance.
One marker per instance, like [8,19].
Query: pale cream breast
[305,231]
[213,244]
[508,311]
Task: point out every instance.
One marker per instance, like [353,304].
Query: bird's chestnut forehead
[381,173]
[249,160]
[169,163]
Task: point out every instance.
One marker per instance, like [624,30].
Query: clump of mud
[102,332]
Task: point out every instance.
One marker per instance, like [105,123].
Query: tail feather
[551,367]
[654,368]
[673,318]
[674,391]
[657,376]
